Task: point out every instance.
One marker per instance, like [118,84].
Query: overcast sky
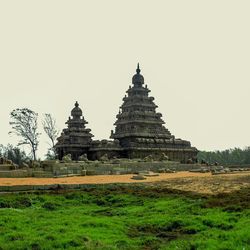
[194,55]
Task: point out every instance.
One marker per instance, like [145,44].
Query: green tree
[15,154]
[235,156]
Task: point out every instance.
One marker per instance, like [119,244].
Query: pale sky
[194,55]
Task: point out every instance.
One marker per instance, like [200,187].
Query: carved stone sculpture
[67,158]
[83,157]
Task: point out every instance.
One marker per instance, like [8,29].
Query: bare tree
[49,126]
[24,124]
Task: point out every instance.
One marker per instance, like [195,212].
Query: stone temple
[139,132]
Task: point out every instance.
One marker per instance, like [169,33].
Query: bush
[50,206]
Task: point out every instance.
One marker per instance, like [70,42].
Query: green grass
[125,217]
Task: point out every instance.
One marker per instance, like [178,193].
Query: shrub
[50,206]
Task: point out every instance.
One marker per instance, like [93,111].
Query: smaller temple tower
[75,139]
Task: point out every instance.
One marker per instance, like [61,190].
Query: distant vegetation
[235,156]
[13,153]
[125,217]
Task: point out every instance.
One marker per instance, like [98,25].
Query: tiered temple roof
[138,121]
[76,138]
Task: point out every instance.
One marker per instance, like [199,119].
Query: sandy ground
[95,179]
[197,182]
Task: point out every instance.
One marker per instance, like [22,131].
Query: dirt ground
[197,182]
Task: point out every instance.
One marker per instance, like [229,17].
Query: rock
[138,177]
[197,170]
[162,170]
[151,174]
[215,172]
[169,171]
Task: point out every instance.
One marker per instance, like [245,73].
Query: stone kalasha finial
[76,112]
[138,78]
[138,69]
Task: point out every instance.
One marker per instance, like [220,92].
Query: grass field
[125,217]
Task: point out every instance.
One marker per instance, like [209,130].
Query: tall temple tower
[140,130]
[75,139]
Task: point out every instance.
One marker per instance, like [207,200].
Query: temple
[139,132]
[76,138]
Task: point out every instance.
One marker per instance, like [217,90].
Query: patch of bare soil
[185,181]
[212,184]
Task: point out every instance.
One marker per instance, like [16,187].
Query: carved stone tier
[138,118]
[139,128]
[75,139]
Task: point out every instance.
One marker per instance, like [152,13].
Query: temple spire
[138,79]
[138,69]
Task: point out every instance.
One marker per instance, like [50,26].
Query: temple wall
[98,154]
[6,167]
[14,174]
[174,155]
[115,166]
[181,155]
[75,152]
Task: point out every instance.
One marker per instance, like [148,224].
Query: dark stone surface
[75,139]
[139,132]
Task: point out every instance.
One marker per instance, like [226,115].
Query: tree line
[232,156]
[13,153]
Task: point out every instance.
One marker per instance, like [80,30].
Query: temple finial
[76,104]
[138,69]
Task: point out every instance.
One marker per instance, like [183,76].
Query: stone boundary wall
[93,168]
[25,173]
[238,166]
[134,167]
[13,173]
[99,168]
[51,187]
